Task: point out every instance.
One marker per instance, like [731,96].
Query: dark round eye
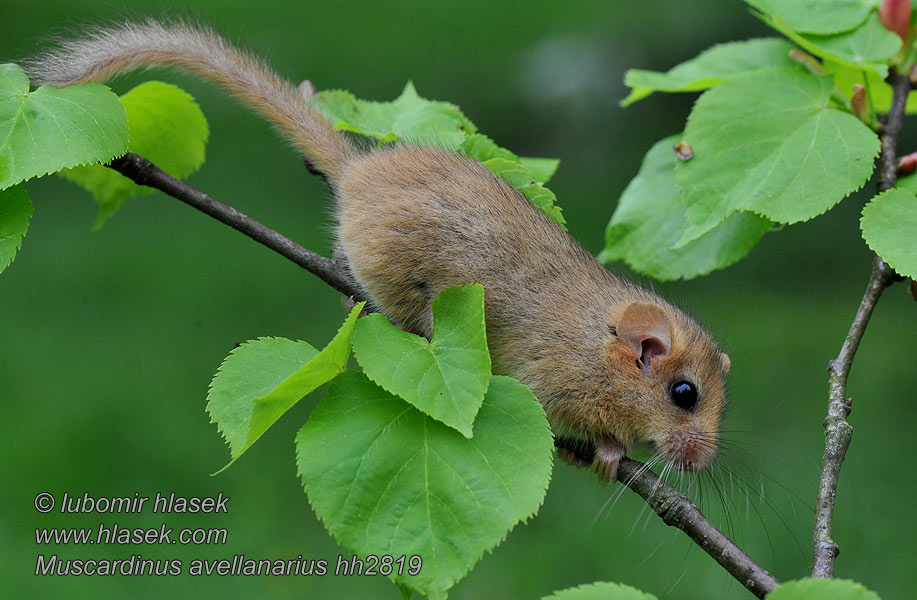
[683,394]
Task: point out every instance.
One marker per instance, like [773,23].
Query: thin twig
[144,172]
[888,176]
[678,511]
[837,431]
[675,509]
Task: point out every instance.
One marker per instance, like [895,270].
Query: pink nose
[690,452]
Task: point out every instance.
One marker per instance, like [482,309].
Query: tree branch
[837,431]
[674,509]
[901,87]
[678,511]
[144,172]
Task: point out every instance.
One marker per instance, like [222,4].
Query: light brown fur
[413,221]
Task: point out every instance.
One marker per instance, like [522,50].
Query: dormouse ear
[725,362]
[647,329]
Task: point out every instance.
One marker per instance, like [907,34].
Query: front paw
[608,454]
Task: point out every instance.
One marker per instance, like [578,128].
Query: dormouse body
[612,363]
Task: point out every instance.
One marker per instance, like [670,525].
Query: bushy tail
[105,52]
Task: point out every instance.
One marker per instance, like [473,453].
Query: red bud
[683,151]
[896,16]
[907,163]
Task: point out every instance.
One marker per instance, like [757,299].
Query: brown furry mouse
[612,363]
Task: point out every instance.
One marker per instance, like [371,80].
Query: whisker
[685,563]
[770,505]
[665,540]
[613,499]
[758,471]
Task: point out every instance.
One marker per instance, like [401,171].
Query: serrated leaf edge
[524,520]
[686,239]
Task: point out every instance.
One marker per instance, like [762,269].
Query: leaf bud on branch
[896,16]
[859,105]
[907,163]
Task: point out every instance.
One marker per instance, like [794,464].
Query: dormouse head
[667,382]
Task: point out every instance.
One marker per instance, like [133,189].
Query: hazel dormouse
[612,363]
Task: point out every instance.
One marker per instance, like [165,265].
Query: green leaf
[385,478]
[867,47]
[822,16]
[542,169]
[252,370]
[413,119]
[907,182]
[481,148]
[166,127]
[601,590]
[822,589]
[262,379]
[512,171]
[446,377]
[879,92]
[768,142]
[15,212]
[409,118]
[52,128]
[521,178]
[870,43]
[889,225]
[544,199]
[650,218]
[709,68]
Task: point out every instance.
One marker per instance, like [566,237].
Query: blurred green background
[110,338]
